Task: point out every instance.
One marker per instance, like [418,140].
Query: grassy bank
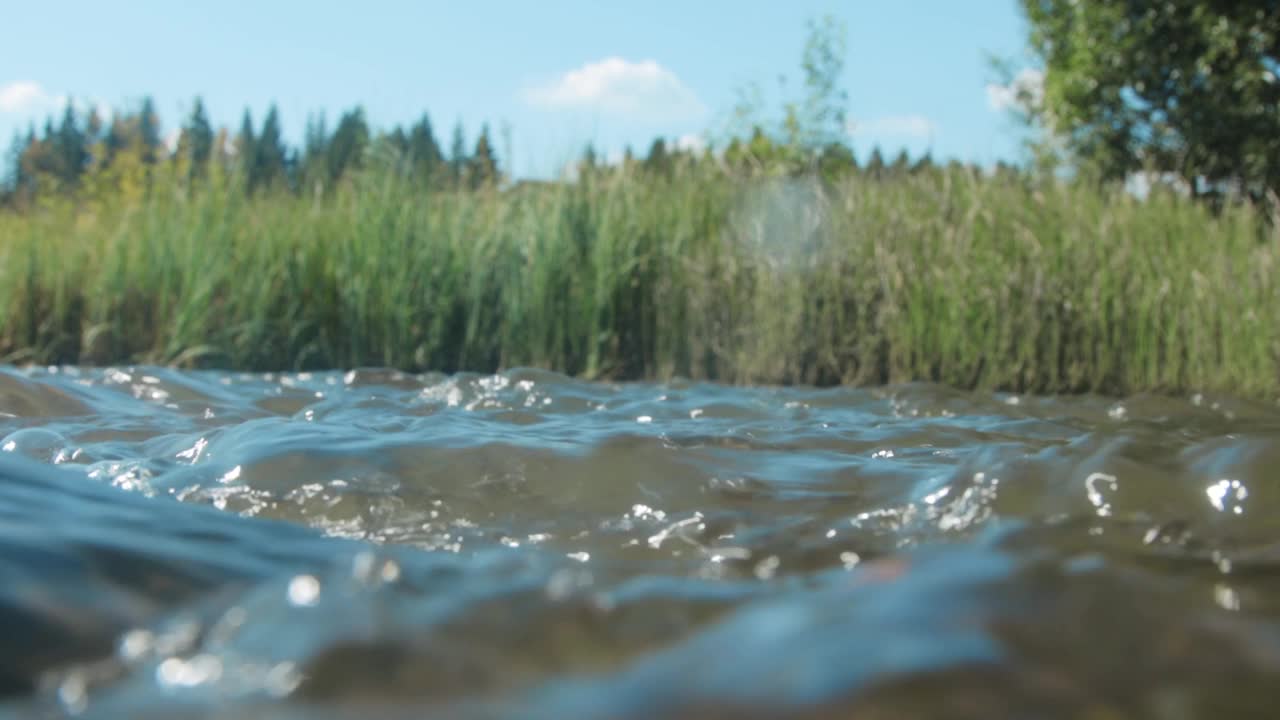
[942,276]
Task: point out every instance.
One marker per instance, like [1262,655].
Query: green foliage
[1182,87]
[706,273]
[822,116]
[809,127]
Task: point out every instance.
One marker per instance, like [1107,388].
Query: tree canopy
[1185,88]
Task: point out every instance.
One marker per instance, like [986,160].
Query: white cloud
[615,156]
[614,85]
[26,97]
[1024,92]
[691,142]
[896,126]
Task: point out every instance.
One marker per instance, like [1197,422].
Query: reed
[944,276]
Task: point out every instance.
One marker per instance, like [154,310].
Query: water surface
[378,545]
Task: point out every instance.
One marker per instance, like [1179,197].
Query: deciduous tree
[1181,87]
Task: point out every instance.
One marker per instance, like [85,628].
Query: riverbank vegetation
[775,259]
[694,269]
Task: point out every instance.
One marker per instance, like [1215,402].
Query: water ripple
[372,543]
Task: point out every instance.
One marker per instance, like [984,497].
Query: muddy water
[372,544]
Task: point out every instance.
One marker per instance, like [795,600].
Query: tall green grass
[973,282]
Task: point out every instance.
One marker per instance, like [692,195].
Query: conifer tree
[398,140]
[346,148]
[196,141]
[116,139]
[482,167]
[457,155]
[901,164]
[923,164]
[589,162]
[313,173]
[70,151]
[658,159]
[246,143]
[269,156]
[875,164]
[149,130]
[424,151]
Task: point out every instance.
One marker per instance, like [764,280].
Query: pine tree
[116,139]
[398,141]
[901,164]
[270,158]
[346,148]
[875,164]
[482,167]
[313,172]
[196,142]
[589,162]
[71,154]
[457,155]
[923,165]
[149,131]
[424,151]
[658,160]
[246,143]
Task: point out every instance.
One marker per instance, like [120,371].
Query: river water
[377,545]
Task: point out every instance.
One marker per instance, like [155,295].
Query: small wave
[373,543]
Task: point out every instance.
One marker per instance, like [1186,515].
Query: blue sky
[557,73]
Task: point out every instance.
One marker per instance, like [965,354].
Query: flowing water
[377,545]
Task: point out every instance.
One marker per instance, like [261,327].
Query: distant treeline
[79,155]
